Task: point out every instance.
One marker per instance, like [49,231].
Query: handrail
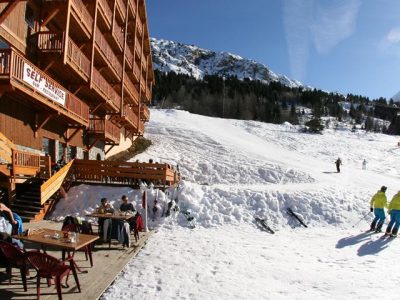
[49,41]
[53,184]
[129,57]
[114,171]
[107,91]
[138,47]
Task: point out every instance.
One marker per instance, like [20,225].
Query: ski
[262,224]
[292,214]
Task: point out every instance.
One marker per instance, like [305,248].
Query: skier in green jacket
[377,205]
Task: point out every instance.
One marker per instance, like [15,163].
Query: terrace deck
[108,262]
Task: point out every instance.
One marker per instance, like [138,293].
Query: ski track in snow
[235,170]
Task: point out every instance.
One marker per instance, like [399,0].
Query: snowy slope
[237,169]
[191,60]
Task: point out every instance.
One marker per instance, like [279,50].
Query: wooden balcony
[144,113]
[132,91]
[121,8]
[104,130]
[136,72]
[118,35]
[105,12]
[129,119]
[25,163]
[82,15]
[109,58]
[129,58]
[139,26]
[138,48]
[144,62]
[106,91]
[132,6]
[34,84]
[78,60]
[147,95]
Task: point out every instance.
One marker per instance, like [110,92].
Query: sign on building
[33,77]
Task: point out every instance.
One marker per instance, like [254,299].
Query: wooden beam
[72,135]
[66,34]
[96,108]
[93,43]
[112,146]
[8,9]
[51,15]
[49,66]
[92,145]
[38,124]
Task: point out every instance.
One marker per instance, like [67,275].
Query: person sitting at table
[128,207]
[7,221]
[105,207]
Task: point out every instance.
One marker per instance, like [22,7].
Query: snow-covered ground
[235,170]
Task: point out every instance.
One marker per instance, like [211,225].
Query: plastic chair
[16,258]
[50,267]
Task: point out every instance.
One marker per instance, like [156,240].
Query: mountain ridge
[169,56]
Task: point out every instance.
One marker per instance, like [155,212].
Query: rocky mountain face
[191,60]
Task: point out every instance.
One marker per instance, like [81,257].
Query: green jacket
[379,200]
[395,203]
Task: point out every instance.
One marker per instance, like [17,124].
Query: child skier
[377,204]
[394,210]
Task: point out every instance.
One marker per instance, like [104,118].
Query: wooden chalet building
[75,80]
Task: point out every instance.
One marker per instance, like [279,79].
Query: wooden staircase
[6,148]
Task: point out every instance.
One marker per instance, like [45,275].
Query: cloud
[333,23]
[321,24]
[393,37]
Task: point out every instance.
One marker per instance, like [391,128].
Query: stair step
[25,213]
[23,207]
[27,202]
[29,198]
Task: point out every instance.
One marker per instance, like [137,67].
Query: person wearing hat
[377,205]
[394,211]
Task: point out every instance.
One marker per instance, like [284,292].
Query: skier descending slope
[394,210]
[377,205]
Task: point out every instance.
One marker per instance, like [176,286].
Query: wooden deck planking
[108,263]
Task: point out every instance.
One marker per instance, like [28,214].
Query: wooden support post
[92,145]
[66,34]
[93,111]
[93,41]
[112,146]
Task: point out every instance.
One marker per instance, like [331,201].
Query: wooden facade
[75,76]
[74,73]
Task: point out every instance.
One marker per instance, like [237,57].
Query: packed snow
[235,170]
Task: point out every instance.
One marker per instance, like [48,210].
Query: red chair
[16,258]
[50,267]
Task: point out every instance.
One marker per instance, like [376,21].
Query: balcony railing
[106,11]
[48,41]
[118,35]
[129,57]
[132,4]
[105,89]
[78,59]
[106,128]
[131,117]
[144,113]
[144,62]
[148,94]
[141,128]
[104,47]
[132,90]
[122,7]
[136,72]
[82,15]
[138,47]
[139,26]
[29,79]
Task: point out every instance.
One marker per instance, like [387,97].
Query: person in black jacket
[338,164]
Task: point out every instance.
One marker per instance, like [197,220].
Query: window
[3,44]
[30,17]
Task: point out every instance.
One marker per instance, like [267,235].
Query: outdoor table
[48,237]
[124,216]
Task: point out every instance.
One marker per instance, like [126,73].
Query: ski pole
[362,218]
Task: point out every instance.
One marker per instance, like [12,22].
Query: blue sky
[349,46]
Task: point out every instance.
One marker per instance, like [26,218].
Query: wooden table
[46,237]
[116,216]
